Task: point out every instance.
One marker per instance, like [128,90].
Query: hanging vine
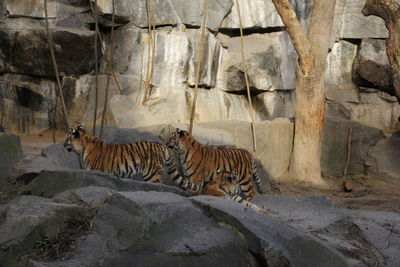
[96,98]
[110,60]
[199,59]
[53,58]
[103,50]
[150,50]
[244,65]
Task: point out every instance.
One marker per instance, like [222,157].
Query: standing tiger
[125,160]
[225,185]
[200,163]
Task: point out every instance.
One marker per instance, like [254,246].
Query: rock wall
[26,73]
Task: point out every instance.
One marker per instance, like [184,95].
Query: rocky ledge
[63,216]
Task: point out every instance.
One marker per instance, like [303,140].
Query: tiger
[200,163]
[125,160]
[225,185]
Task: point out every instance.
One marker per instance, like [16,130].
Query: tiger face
[72,141]
[229,182]
[179,139]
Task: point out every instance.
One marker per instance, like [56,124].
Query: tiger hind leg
[256,178]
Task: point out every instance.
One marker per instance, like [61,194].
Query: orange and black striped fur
[200,163]
[126,160]
[225,185]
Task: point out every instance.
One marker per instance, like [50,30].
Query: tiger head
[181,140]
[73,141]
[229,182]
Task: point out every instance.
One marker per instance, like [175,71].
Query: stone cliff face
[27,85]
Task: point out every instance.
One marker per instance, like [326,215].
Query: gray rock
[338,75]
[26,220]
[157,227]
[335,143]
[53,158]
[169,12]
[255,14]
[25,102]
[36,61]
[270,59]
[114,135]
[276,104]
[374,50]
[10,154]
[355,25]
[383,159]
[381,229]
[51,183]
[273,243]
[308,214]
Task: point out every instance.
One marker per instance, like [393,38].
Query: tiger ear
[219,171]
[80,128]
[180,132]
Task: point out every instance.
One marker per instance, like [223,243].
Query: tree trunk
[389,11]
[312,50]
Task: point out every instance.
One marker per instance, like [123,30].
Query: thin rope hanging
[96,99]
[199,59]
[246,79]
[103,115]
[53,58]
[150,50]
[103,50]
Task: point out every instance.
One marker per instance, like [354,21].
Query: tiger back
[125,160]
[200,163]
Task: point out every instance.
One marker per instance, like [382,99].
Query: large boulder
[383,159]
[51,183]
[26,220]
[273,243]
[10,154]
[337,142]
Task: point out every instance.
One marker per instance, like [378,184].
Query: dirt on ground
[366,193]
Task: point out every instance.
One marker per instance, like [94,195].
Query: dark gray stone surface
[384,159]
[27,219]
[51,183]
[335,146]
[35,59]
[10,154]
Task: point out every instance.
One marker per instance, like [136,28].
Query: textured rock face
[269,54]
[270,59]
[35,60]
[384,157]
[161,224]
[169,12]
[10,154]
[355,24]
[335,146]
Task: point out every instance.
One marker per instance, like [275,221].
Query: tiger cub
[200,163]
[125,160]
[225,185]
